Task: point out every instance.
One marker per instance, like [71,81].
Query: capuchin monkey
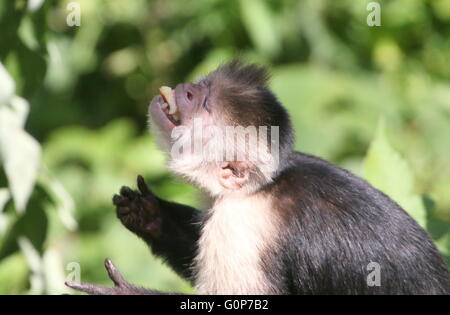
[281,223]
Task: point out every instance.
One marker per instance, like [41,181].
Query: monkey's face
[214,130]
[173,108]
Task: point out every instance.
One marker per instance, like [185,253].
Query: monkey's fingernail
[109,264]
[142,185]
[118,200]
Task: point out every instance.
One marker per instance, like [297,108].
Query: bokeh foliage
[73,104]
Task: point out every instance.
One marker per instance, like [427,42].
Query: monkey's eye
[189,95]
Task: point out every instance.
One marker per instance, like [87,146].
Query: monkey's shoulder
[308,176]
[312,187]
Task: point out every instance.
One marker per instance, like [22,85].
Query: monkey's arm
[121,286]
[171,230]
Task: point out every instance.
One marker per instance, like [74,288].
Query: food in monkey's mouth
[169,107]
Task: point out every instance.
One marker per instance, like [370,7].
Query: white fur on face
[205,147]
[162,137]
[240,229]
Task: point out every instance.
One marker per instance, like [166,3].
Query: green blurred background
[73,114]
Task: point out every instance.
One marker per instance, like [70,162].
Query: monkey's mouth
[169,106]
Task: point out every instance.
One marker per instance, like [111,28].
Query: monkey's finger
[89,288]
[123,210]
[143,188]
[119,200]
[114,273]
[127,192]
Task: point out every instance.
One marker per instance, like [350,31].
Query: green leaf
[259,22]
[385,169]
[19,152]
[437,226]
[34,5]
[4,197]
[4,219]
[7,86]
[13,274]
[11,13]
[64,204]
[38,15]
[32,224]
[32,66]
[35,264]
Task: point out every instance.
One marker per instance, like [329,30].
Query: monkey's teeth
[169,106]
[169,97]
[173,108]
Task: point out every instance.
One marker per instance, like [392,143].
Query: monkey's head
[227,132]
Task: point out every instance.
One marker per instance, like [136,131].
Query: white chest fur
[239,230]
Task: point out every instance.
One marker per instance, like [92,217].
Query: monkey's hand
[121,286]
[139,211]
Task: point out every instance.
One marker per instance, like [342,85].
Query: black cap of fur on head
[240,93]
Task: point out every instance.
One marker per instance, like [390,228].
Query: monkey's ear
[234,175]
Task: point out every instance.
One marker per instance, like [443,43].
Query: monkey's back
[336,226]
